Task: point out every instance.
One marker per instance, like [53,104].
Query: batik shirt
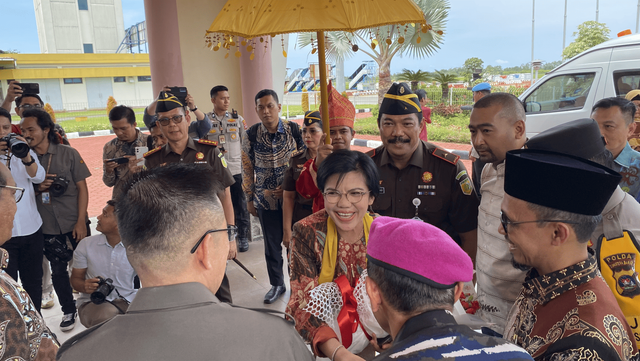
[23,333]
[627,163]
[570,314]
[265,161]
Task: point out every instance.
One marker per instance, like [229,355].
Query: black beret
[167,102]
[400,100]
[559,181]
[312,117]
[580,138]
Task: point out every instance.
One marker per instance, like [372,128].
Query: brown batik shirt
[570,314]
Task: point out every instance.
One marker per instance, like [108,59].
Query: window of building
[560,93]
[73,80]
[119,79]
[83,5]
[88,48]
[144,78]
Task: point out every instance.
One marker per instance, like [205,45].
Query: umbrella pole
[324,93]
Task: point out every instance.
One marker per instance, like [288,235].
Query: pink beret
[418,250]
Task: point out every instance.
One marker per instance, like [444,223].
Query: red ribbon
[348,319]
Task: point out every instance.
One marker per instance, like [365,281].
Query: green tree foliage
[444,79]
[589,34]
[470,65]
[492,70]
[385,42]
[414,77]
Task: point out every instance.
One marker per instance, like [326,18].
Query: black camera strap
[120,297]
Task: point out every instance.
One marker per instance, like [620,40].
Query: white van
[569,91]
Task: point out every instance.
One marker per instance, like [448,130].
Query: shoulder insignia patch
[151,152]
[244,124]
[208,142]
[446,156]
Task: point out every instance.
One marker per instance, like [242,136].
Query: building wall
[63,28]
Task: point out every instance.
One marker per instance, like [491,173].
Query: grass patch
[452,129]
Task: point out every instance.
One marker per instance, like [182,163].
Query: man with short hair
[181,263]
[615,118]
[228,130]
[63,207]
[341,117]
[616,236]
[173,120]
[550,209]
[26,243]
[419,179]
[478,91]
[497,125]
[25,334]
[415,275]
[156,138]
[266,152]
[128,138]
[197,129]
[104,256]
[426,113]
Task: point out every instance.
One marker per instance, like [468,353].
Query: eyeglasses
[232,231]
[18,194]
[506,221]
[177,119]
[335,196]
[30,106]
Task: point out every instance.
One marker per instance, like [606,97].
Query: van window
[625,81]
[560,93]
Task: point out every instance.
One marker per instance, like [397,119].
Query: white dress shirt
[27,220]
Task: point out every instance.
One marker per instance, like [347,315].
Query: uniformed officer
[175,315]
[228,130]
[419,179]
[615,239]
[173,120]
[294,206]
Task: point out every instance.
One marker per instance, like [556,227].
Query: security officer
[615,239]
[173,120]
[418,179]
[228,130]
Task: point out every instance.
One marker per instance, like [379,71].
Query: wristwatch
[194,109]
[28,163]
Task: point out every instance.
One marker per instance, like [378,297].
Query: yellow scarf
[330,253]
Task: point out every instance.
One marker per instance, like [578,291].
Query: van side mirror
[533,107]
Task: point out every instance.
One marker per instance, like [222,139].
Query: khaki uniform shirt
[437,179]
[499,283]
[201,152]
[228,133]
[187,322]
[60,215]
[303,206]
[116,148]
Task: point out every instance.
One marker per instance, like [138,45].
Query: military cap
[481,87]
[167,102]
[559,181]
[580,138]
[311,118]
[400,100]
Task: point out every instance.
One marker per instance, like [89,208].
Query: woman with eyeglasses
[331,245]
[294,206]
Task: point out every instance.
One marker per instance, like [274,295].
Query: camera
[18,147]
[59,186]
[180,92]
[105,287]
[29,88]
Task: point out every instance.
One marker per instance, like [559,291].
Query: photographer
[62,202]
[103,256]
[26,243]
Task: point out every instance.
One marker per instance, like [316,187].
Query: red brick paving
[90,149]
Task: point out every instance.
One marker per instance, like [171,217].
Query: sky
[496,31]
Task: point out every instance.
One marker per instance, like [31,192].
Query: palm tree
[414,77]
[384,42]
[444,79]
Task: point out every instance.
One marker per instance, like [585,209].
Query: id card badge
[46,198]
[222,139]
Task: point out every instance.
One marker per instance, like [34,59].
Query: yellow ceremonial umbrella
[251,19]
